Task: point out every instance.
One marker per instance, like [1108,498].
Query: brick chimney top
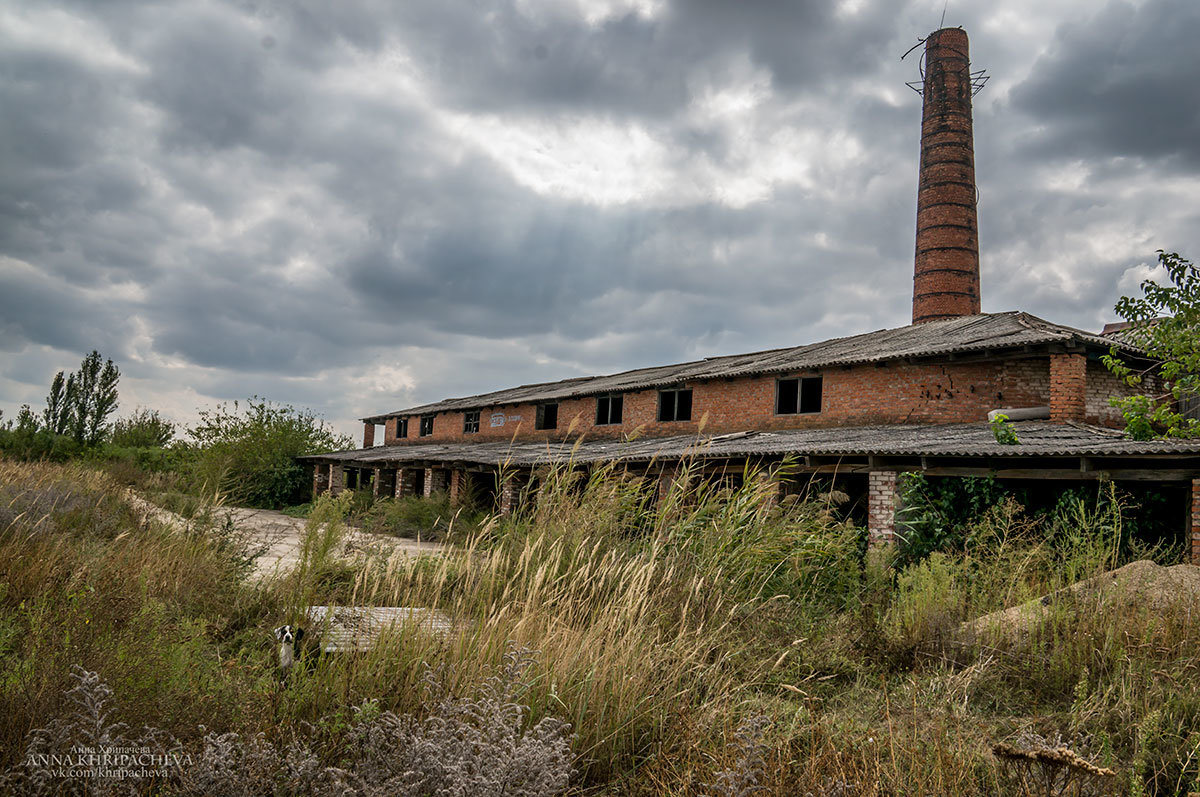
[946,267]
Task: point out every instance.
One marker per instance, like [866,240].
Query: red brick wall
[853,396]
[368,435]
[1068,387]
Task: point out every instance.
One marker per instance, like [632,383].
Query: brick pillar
[337,479]
[1195,521]
[368,435]
[1068,387]
[883,499]
[456,486]
[406,482]
[437,480]
[375,482]
[510,492]
[320,478]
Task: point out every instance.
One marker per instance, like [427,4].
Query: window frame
[674,393]
[607,400]
[426,428]
[402,428]
[471,422]
[539,422]
[803,397]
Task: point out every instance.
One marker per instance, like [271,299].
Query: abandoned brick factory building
[865,408]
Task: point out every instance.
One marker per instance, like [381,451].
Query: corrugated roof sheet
[1038,439]
[965,334]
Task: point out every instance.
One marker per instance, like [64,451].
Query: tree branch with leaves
[1164,323]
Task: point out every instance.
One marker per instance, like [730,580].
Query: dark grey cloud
[1121,83]
[364,205]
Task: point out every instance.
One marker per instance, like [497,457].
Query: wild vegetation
[1165,322]
[716,642]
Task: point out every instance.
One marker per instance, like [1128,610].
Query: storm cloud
[362,206]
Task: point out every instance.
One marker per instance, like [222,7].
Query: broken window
[675,405]
[547,416]
[401,428]
[426,425]
[471,422]
[798,395]
[608,410]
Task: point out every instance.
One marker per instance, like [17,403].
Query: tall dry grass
[663,627]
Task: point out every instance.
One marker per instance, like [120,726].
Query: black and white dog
[289,637]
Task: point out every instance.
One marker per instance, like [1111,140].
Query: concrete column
[406,482]
[375,482]
[883,499]
[337,479]
[1195,535]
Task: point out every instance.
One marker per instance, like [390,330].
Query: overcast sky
[361,206]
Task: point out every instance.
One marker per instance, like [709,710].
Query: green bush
[249,453]
[145,428]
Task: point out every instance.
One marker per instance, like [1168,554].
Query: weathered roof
[974,333]
[1038,439]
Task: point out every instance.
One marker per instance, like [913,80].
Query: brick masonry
[406,482]
[320,478]
[510,492]
[337,479]
[852,396]
[369,435]
[1068,387]
[437,480]
[883,498]
[946,261]
[1196,521]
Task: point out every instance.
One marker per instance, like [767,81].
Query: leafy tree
[79,403]
[145,428]
[57,415]
[1165,322]
[249,453]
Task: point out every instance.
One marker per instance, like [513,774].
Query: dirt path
[282,535]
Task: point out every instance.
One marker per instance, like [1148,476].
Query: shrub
[145,428]
[250,454]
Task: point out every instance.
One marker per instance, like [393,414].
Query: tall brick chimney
[946,274]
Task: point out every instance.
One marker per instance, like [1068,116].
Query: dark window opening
[351,480]
[608,410]
[401,428]
[426,425]
[798,396]
[471,422]
[675,405]
[547,416]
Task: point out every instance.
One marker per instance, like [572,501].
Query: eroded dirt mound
[1138,585]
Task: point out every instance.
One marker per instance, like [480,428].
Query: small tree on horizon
[79,403]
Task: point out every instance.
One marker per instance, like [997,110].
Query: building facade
[867,407]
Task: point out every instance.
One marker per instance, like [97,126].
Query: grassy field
[716,642]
